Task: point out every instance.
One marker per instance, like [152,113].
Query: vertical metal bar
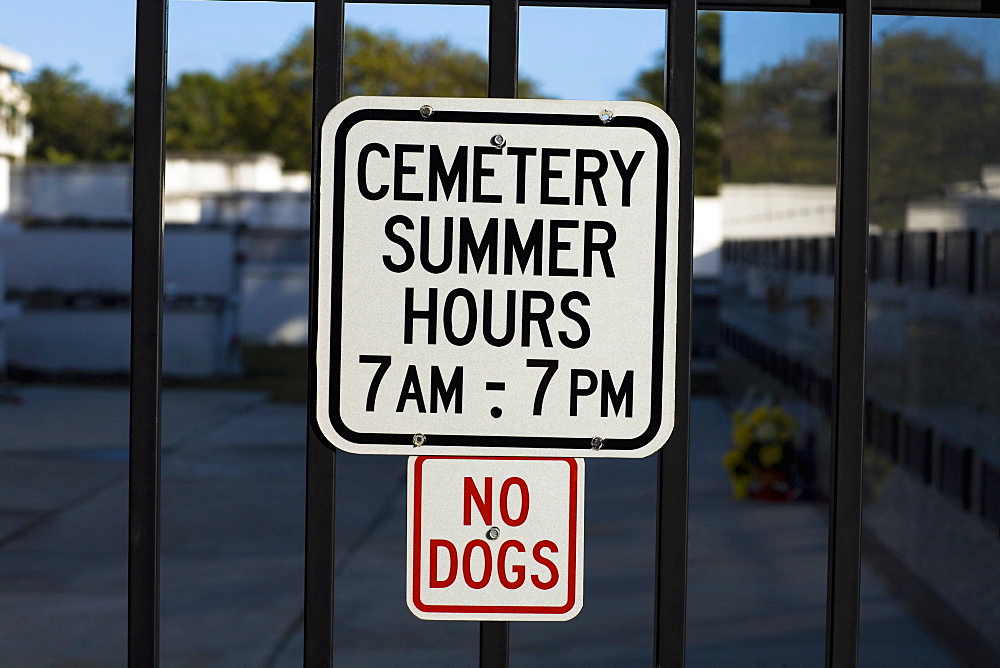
[321,461]
[494,637]
[850,298]
[503,48]
[147,334]
[494,644]
[672,489]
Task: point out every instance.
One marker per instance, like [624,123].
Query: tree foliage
[931,110]
[267,105]
[257,106]
[649,87]
[777,124]
[72,122]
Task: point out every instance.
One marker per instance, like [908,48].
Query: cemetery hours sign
[496,277]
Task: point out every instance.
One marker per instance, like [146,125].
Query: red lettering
[504,502]
[437,543]
[487,563]
[553,573]
[485,505]
[517,569]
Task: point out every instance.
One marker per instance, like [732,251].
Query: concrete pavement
[232,537]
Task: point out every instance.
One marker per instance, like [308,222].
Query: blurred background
[235,326]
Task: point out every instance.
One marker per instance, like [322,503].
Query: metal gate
[850,265]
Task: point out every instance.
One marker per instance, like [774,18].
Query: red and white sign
[495,539]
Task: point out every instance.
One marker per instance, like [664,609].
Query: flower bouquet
[762,461]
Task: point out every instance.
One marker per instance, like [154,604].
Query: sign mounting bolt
[498,141]
[596,443]
[493,533]
[418,440]
[606,116]
[426,111]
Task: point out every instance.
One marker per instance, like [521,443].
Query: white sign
[496,277]
[496,539]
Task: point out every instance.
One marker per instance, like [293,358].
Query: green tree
[267,105]
[777,125]
[933,114]
[649,87]
[72,122]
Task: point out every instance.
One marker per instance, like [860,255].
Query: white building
[15,133]
[71,269]
[772,210]
[197,188]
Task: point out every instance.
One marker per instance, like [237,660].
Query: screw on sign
[497,275]
[495,538]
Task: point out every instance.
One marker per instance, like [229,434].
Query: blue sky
[571,53]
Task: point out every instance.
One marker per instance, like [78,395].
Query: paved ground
[232,552]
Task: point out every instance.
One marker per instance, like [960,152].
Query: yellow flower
[741,486]
[766,432]
[742,435]
[732,459]
[759,414]
[770,455]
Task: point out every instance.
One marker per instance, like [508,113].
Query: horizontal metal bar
[954,8]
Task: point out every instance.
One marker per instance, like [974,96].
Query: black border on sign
[337,268]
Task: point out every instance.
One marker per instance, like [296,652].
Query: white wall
[197,260]
[707,237]
[98,341]
[771,210]
[277,209]
[96,191]
[4,186]
[200,288]
[274,306]
[92,191]
[196,173]
[954,214]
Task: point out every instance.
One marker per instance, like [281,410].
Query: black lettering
[403,169]
[522,154]
[603,247]
[479,172]
[512,247]
[576,391]
[391,235]
[459,173]
[449,325]
[565,306]
[383,361]
[594,176]
[528,316]
[430,315]
[446,243]
[452,391]
[550,367]
[548,173]
[616,396]
[555,246]
[363,171]
[508,334]
[411,391]
[626,173]
[478,249]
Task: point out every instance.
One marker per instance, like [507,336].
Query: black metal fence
[847,258]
